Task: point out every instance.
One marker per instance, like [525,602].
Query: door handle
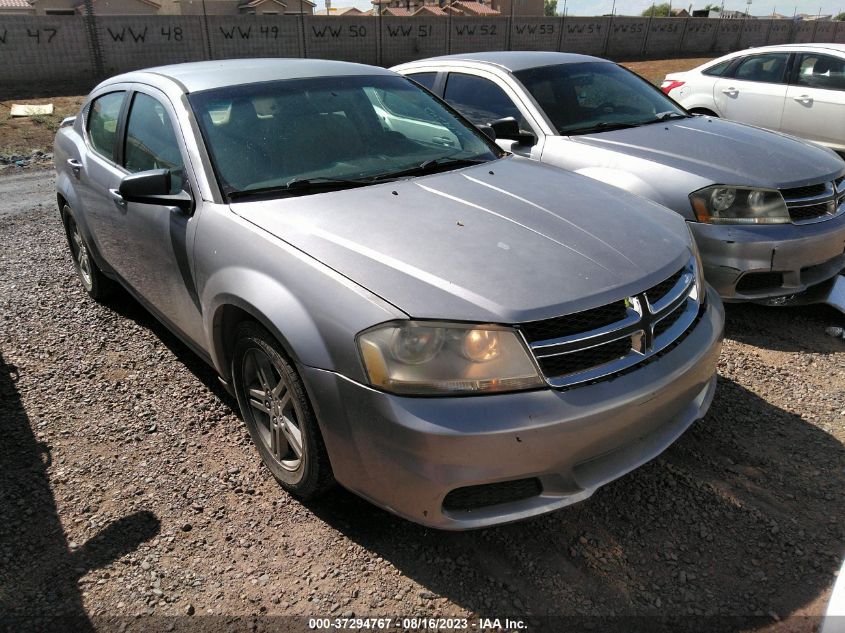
[731,92]
[75,166]
[803,99]
[117,198]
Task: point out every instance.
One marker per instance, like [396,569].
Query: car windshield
[596,96]
[301,136]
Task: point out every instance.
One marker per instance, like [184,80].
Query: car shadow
[738,521]
[38,568]
[785,329]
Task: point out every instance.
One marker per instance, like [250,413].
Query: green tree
[840,17]
[549,7]
[712,7]
[657,10]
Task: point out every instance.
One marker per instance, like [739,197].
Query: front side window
[594,96]
[821,71]
[282,137]
[480,100]
[151,142]
[768,68]
[102,121]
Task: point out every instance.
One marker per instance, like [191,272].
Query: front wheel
[278,414]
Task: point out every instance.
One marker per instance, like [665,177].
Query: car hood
[506,241]
[723,152]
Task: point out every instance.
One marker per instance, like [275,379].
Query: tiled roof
[475,7]
[397,11]
[14,4]
[430,9]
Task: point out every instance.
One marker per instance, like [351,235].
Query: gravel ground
[129,488]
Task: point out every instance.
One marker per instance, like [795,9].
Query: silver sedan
[767,211]
[460,336]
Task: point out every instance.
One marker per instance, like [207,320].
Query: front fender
[269,303]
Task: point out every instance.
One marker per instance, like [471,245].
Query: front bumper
[406,454]
[802,256]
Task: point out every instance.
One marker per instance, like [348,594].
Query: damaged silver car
[460,336]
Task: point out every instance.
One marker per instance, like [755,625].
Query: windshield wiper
[301,185]
[604,126]
[430,166]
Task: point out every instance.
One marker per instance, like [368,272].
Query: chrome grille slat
[815,203]
[599,352]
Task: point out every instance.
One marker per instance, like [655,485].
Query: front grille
[576,323]
[658,291]
[805,192]
[585,359]
[595,344]
[840,183]
[813,202]
[756,282]
[484,495]
[662,326]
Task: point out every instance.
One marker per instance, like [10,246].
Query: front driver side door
[756,92]
[158,240]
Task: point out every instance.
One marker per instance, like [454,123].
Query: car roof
[787,47]
[517,60]
[197,76]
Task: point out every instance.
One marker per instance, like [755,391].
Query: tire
[94,282]
[278,414]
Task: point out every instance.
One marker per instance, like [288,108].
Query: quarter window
[821,71]
[424,79]
[717,70]
[767,68]
[151,142]
[103,116]
[480,100]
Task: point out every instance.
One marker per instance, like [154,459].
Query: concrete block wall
[40,50]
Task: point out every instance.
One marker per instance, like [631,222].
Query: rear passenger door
[756,90]
[99,171]
[483,100]
[815,99]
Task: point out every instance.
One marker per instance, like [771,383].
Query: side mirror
[153,187]
[508,129]
[487,130]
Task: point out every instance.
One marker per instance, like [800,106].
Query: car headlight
[739,205]
[700,292]
[431,358]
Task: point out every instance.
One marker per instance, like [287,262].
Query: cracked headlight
[434,358]
[739,205]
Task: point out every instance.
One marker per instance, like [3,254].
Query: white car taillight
[669,85]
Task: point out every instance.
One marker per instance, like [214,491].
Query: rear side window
[426,80]
[103,116]
[768,68]
[821,71]
[717,70]
[151,142]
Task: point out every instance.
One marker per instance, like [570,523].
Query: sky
[635,7]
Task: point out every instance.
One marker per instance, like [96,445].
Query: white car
[797,89]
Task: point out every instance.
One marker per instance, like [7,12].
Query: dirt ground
[131,496]
[655,71]
[21,136]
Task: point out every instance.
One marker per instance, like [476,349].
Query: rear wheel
[278,414]
[95,283]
